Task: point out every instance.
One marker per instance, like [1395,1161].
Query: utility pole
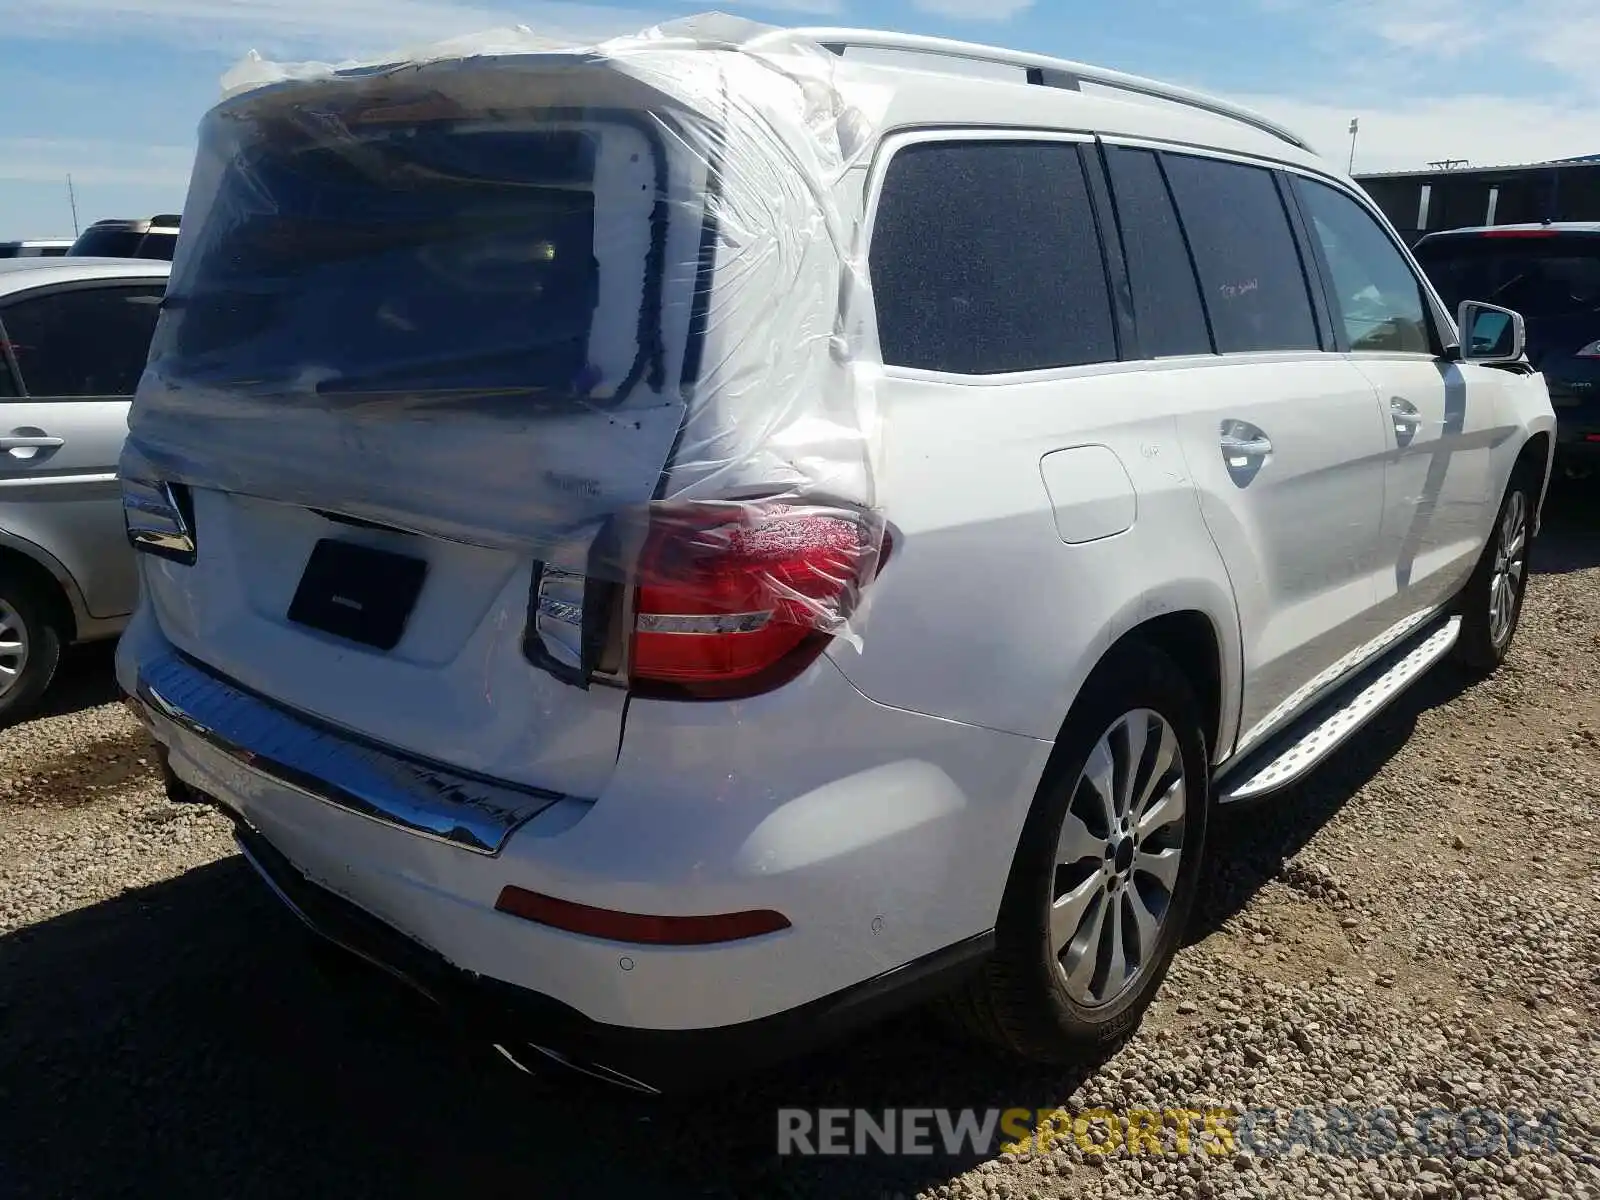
[72,199]
[1355,128]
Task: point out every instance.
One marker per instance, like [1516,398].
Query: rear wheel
[30,648]
[1490,604]
[1106,870]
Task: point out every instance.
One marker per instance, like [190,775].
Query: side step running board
[1333,727]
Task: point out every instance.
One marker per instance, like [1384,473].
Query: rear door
[1282,437]
[78,350]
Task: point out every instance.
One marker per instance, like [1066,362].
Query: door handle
[21,442]
[1235,447]
[1245,450]
[1407,420]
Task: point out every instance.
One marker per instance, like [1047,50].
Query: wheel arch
[1195,624]
[1536,458]
[41,573]
[1189,638]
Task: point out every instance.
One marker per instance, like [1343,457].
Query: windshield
[1538,277]
[454,256]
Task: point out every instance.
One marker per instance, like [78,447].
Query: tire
[1026,999]
[30,648]
[1490,604]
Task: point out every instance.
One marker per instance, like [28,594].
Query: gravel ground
[1417,928]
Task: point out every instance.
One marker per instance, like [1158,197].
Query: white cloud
[974,10]
[1445,79]
[1487,130]
[812,7]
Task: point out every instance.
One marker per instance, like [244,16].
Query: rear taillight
[1592,350]
[159,518]
[737,597]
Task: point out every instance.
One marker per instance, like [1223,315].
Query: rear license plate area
[358,593]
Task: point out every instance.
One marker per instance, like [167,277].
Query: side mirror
[1489,334]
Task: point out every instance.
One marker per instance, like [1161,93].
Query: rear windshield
[108,243]
[1539,277]
[450,256]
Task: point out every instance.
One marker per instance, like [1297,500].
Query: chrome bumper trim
[420,797]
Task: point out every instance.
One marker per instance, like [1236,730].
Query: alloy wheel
[1510,565]
[1117,858]
[13,647]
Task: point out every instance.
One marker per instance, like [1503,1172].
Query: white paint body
[877,800]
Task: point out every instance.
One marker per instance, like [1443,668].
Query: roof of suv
[163,223]
[931,87]
[1531,228]
[930,81]
[18,273]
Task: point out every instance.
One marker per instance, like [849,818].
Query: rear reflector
[729,594]
[636,928]
[1591,437]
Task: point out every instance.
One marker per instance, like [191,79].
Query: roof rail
[1042,70]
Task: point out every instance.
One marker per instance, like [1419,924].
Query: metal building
[1444,197]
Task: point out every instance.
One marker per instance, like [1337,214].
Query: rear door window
[1166,294]
[986,259]
[82,342]
[1376,294]
[1254,284]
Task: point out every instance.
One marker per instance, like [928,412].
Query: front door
[1442,420]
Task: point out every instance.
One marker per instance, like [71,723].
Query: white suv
[680,548]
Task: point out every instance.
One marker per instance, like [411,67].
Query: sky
[110,91]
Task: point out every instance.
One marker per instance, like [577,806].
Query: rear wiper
[1517,278]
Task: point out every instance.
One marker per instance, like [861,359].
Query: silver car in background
[74,334]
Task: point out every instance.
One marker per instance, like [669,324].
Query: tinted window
[985,259]
[1250,271]
[1536,276]
[1166,295]
[1553,281]
[107,243]
[158,246]
[1377,296]
[85,342]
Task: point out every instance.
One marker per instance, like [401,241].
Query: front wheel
[1490,604]
[1106,869]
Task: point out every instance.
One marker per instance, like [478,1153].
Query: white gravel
[1418,928]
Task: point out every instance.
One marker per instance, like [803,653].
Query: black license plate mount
[359,593]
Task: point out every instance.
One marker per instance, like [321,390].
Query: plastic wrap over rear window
[441,255]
